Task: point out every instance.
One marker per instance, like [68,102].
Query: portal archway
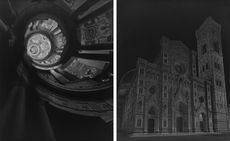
[203,123]
[181,117]
[152,120]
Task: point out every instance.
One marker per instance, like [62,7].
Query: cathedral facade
[182,90]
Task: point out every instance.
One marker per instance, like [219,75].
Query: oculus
[180,68]
[152,89]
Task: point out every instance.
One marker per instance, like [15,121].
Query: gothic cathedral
[182,91]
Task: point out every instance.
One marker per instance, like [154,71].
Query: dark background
[142,23]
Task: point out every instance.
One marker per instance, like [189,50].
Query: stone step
[173,134]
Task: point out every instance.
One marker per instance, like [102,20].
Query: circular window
[152,89]
[152,111]
[180,68]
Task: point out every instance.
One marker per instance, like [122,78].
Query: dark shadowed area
[141,24]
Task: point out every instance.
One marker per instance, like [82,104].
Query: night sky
[142,23]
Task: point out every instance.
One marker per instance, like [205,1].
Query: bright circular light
[45,43]
[34,50]
[38,46]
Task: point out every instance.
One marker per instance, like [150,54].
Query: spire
[208,22]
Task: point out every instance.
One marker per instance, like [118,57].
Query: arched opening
[152,120]
[182,118]
[179,122]
[139,106]
[204,49]
[216,47]
[151,124]
[203,125]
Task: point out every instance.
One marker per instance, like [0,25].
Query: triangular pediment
[209,23]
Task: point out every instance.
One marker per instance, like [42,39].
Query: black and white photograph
[173,70]
[56,70]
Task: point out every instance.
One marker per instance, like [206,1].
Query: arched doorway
[152,120]
[151,125]
[182,118]
[179,125]
[203,125]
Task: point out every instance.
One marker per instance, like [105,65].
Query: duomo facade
[181,91]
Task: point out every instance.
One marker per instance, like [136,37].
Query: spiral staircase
[66,48]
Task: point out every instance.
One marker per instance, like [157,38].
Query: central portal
[179,124]
[151,125]
[203,122]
